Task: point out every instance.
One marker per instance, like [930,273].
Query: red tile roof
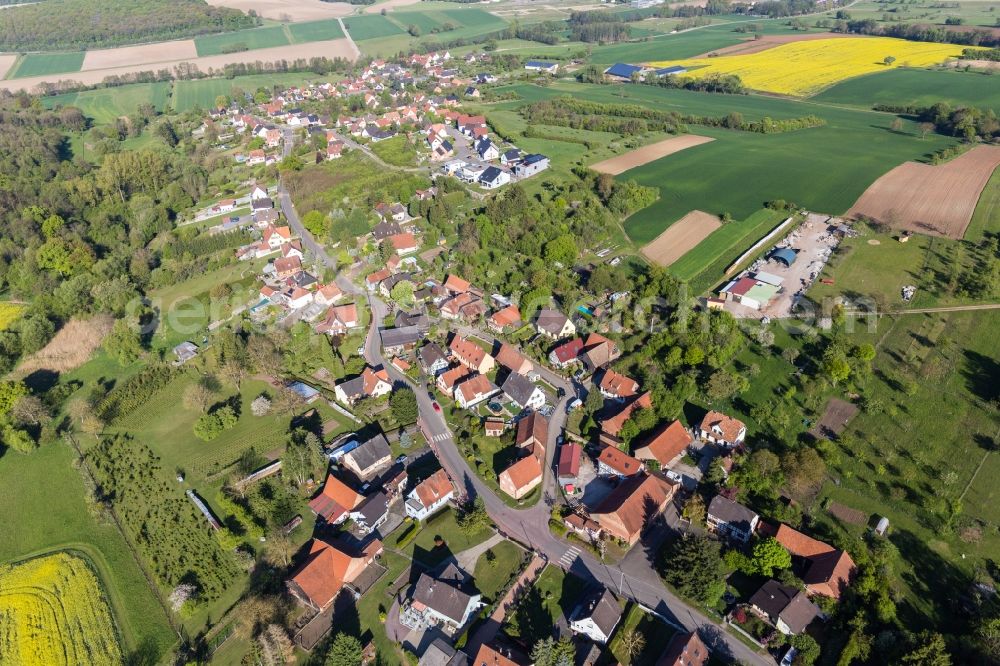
[667,442]
[569,459]
[619,461]
[729,426]
[434,487]
[568,351]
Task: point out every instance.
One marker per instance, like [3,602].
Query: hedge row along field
[52,612]
[805,68]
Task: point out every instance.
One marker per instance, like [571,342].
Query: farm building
[784,255]
[749,291]
[669,71]
[623,71]
[541,66]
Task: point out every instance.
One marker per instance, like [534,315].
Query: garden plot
[936,200]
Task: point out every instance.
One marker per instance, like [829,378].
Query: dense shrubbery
[919,32]
[716,83]
[211,425]
[201,245]
[134,392]
[79,24]
[967,122]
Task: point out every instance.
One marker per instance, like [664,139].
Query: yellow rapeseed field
[806,67]
[53,612]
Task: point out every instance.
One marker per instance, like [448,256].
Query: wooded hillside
[83,24]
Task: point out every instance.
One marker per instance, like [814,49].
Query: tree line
[918,32]
[82,24]
[968,122]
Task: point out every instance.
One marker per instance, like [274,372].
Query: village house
[509,357]
[722,430]
[566,354]
[285,267]
[429,495]
[666,443]
[395,212]
[616,386]
[787,608]
[568,465]
[505,319]
[554,324]
[404,243]
[400,340]
[335,501]
[612,425]
[339,319]
[522,477]
[685,649]
[731,519]
[630,507]
[487,150]
[456,285]
[522,392]
[446,601]
[597,615]
[386,229]
[531,165]
[299,298]
[328,294]
[471,355]
[371,383]
[494,426]
[448,380]
[440,653]
[612,461]
[493,177]
[826,570]
[598,352]
[372,513]
[474,390]
[370,458]
[432,359]
[495,654]
[327,570]
[532,432]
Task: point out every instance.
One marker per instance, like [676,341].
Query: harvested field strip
[289,10]
[805,68]
[241,40]
[681,237]
[6,62]
[937,200]
[986,218]
[41,64]
[55,613]
[140,55]
[650,153]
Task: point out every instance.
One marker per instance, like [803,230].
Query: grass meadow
[255,38]
[46,494]
[107,104]
[188,95]
[918,87]
[41,64]
[315,31]
[986,217]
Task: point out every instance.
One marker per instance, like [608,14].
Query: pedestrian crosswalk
[569,557]
[441,437]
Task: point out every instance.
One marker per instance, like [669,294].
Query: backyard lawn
[492,574]
[554,595]
[656,632]
[441,537]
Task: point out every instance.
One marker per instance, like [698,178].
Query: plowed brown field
[936,200]
[650,153]
[680,237]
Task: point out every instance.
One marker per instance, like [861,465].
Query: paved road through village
[635,578]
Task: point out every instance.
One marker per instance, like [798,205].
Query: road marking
[441,437]
[569,556]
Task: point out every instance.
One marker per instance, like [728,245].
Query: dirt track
[650,153]
[6,62]
[140,55]
[290,10]
[680,237]
[333,48]
[766,42]
[936,200]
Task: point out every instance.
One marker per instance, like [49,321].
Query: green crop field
[41,64]
[202,93]
[426,21]
[46,494]
[473,17]
[241,40]
[104,105]
[371,26]
[315,31]
[987,214]
[739,171]
[917,87]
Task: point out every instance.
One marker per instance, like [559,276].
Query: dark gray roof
[442,597]
[418,319]
[353,388]
[551,321]
[430,354]
[393,280]
[491,174]
[438,653]
[383,230]
[373,508]
[602,607]
[789,604]
[731,512]
[396,337]
[518,388]
[370,452]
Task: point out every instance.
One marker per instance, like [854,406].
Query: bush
[210,426]
[407,536]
